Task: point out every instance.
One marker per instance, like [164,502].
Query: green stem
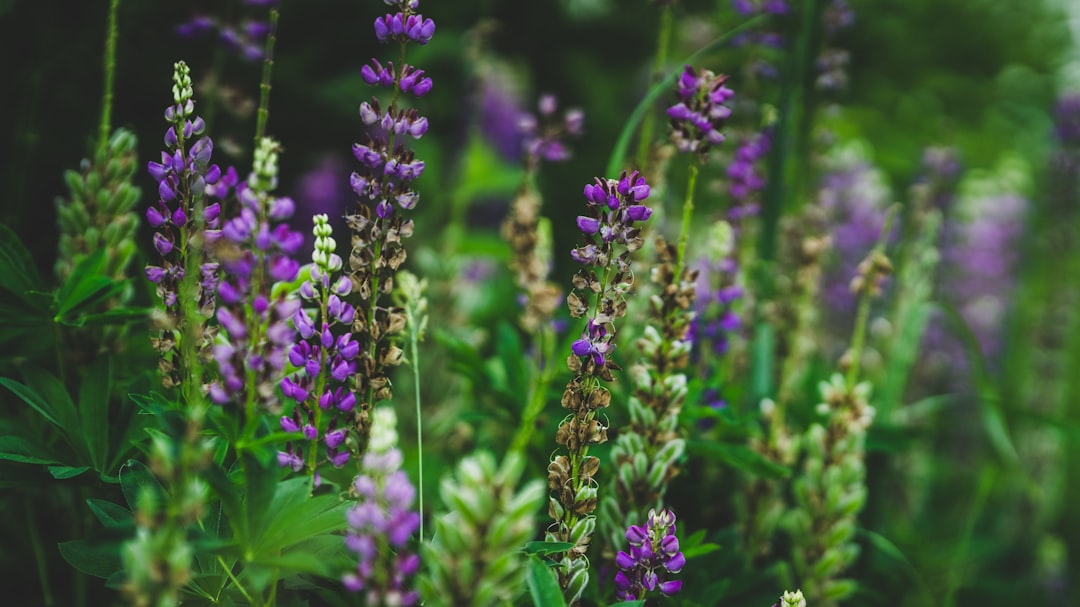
[235,582]
[110,70]
[264,86]
[538,396]
[662,42]
[414,353]
[688,212]
[858,338]
[39,557]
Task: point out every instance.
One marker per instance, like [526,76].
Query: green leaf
[546,548]
[116,316]
[25,450]
[94,410]
[700,550]
[33,399]
[226,491]
[111,515]
[294,516]
[740,457]
[640,603]
[509,351]
[18,272]
[260,480]
[63,472]
[543,587]
[99,559]
[136,477]
[53,392]
[84,281]
[294,562]
[883,545]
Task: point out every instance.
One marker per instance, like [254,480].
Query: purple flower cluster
[183,176]
[544,135]
[245,39]
[613,210]
[252,251]
[1067,119]
[380,526]
[699,113]
[388,169]
[854,203]
[406,25]
[654,556]
[325,354]
[980,264]
[833,62]
[744,174]
[750,8]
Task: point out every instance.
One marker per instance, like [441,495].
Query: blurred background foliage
[980,76]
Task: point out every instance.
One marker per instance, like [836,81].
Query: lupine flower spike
[157,561]
[256,252]
[611,232]
[325,354]
[383,185]
[653,558]
[699,110]
[475,558]
[528,233]
[183,226]
[382,522]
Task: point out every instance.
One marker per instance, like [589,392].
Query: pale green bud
[792,599]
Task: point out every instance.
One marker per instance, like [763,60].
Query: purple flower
[654,555]
[699,113]
[544,137]
[380,526]
[594,342]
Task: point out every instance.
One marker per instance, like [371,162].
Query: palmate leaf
[18,273]
[543,587]
[94,410]
[85,287]
[136,477]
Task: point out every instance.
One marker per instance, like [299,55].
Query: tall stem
[264,86]
[110,70]
[414,354]
[687,214]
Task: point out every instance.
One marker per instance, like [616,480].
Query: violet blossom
[653,558]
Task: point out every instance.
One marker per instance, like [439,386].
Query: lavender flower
[384,183]
[749,8]
[325,354]
[544,135]
[528,233]
[255,254]
[244,39]
[181,224]
[699,113]
[744,173]
[382,522]
[1067,119]
[854,198]
[980,264]
[654,556]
